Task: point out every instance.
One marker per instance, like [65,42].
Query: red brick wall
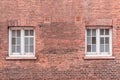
[60,39]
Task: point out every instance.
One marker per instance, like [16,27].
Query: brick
[60,39]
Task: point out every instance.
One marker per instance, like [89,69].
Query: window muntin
[21,42]
[98,42]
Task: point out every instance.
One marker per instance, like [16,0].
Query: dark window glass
[88,48]
[106,31]
[93,40]
[101,31]
[88,32]
[101,40]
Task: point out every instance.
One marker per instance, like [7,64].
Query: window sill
[99,57]
[12,58]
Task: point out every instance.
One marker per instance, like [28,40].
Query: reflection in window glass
[88,48]
[106,31]
[94,33]
[88,32]
[101,40]
[93,48]
[107,40]
[101,31]
[93,40]
[89,40]
[101,48]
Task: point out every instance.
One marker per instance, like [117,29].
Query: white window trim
[98,53]
[11,56]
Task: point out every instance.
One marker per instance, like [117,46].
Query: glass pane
[18,41]
[101,31]
[18,33]
[93,40]
[31,41]
[26,48]
[18,49]
[93,32]
[88,32]
[13,48]
[88,48]
[13,41]
[93,48]
[106,31]
[101,48]
[26,32]
[31,49]
[101,40]
[31,32]
[107,40]
[26,41]
[106,48]
[89,40]
[13,33]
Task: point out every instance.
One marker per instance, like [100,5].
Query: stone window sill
[27,58]
[99,57]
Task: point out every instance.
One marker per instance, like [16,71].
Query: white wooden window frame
[22,54]
[98,53]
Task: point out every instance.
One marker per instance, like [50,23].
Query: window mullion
[98,41]
[22,42]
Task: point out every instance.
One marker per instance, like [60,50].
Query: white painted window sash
[22,54]
[98,53]
[98,42]
[22,42]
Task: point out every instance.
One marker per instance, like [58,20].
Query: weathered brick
[60,39]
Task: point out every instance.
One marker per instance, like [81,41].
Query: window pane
[18,41]
[94,32]
[102,40]
[18,49]
[88,48]
[107,40]
[93,40]
[31,49]
[31,32]
[13,41]
[106,48]
[18,33]
[89,40]
[88,32]
[101,31]
[26,48]
[13,33]
[31,41]
[93,48]
[101,48]
[13,48]
[26,32]
[106,31]
[26,41]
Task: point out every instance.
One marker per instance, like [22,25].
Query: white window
[21,42]
[98,42]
